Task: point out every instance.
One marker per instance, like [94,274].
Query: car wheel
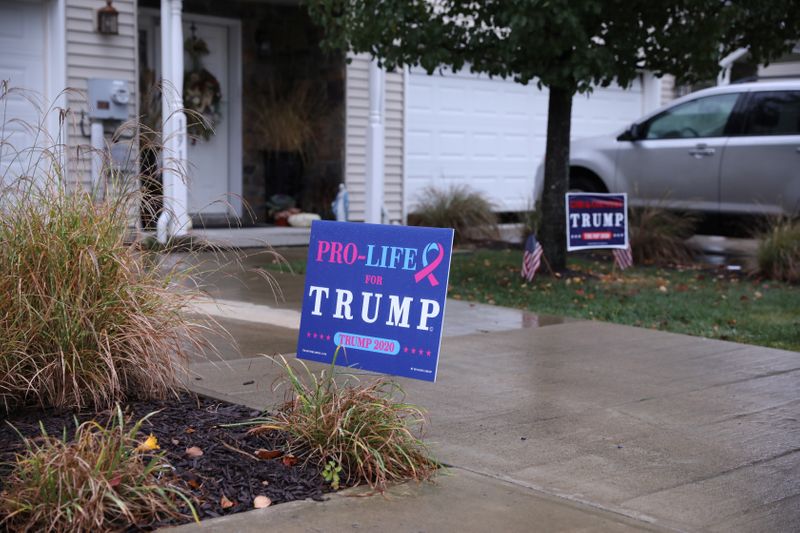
[582,182]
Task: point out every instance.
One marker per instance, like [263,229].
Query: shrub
[102,480]
[778,255]
[468,212]
[355,432]
[85,319]
[658,236]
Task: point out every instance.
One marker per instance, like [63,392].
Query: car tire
[584,182]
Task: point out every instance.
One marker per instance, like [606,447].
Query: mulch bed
[228,465]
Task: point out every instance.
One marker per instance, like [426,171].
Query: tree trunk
[556,178]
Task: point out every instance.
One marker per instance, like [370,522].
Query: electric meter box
[108,99]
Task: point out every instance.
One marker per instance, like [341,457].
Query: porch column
[174,221]
[375,144]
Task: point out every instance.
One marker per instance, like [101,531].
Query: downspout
[724,77]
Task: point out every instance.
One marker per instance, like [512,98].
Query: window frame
[732,125]
[749,110]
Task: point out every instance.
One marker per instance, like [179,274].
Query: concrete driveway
[617,427]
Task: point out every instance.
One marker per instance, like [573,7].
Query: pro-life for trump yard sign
[378,292]
[597,220]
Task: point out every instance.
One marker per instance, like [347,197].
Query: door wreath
[202,94]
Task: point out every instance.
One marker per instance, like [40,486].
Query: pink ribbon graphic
[428,269]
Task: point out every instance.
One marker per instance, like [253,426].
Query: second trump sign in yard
[378,292]
[596,221]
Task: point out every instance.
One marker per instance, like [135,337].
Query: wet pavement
[656,429]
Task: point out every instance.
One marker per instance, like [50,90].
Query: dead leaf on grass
[225,503]
[150,444]
[259,502]
[194,451]
[189,430]
[289,460]
[268,454]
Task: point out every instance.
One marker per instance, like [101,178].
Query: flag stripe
[623,257]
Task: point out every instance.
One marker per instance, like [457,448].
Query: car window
[773,113]
[703,117]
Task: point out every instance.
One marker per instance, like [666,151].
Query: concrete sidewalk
[561,425]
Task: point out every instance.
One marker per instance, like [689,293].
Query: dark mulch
[226,466]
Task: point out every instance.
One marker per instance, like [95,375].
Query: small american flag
[623,257]
[532,258]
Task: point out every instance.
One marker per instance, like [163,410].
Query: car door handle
[701,151]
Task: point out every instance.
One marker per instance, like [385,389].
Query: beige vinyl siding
[91,55]
[357,123]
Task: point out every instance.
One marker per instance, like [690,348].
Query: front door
[208,153]
[214,172]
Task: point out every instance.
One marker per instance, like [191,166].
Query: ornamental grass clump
[658,236]
[103,479]
[465,210]
[360,432]
[85,320]
[778,255]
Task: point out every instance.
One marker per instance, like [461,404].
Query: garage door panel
[22,66]
[490,134]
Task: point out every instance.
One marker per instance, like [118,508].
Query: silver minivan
[726,150]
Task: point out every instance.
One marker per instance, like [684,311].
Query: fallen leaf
[115,481]
[225,503]
[193,483]
[268,454]
[663,288]
[758,295]
[190,430]
[194,451]
[149,444]
[289,460]
[259,502]
[175,442]
[265,482]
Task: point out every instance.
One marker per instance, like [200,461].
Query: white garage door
[490,134]
[22,59]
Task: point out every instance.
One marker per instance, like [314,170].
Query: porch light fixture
[108,20]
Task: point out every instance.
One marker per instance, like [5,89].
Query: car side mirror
[631,134]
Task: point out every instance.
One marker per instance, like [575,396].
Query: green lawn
[703,301]
[707,302]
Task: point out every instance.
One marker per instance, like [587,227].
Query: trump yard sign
[597,221]
[379,293]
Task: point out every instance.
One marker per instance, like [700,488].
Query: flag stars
[405,349]
[428,353]
[413,350]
